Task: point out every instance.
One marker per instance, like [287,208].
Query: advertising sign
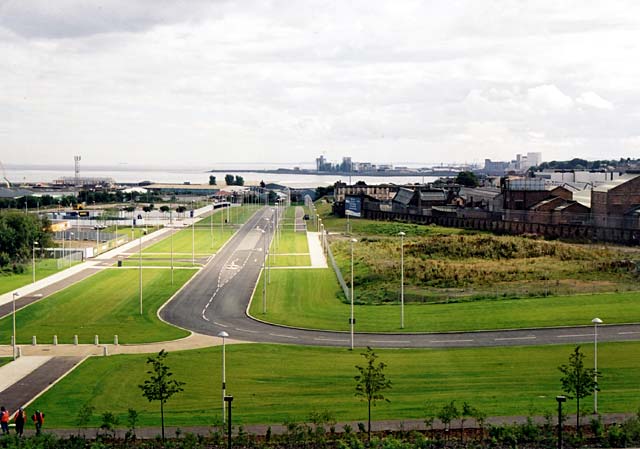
[353,206]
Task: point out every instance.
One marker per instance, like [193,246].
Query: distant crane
[5,181]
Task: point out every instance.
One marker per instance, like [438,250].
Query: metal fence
[332,259]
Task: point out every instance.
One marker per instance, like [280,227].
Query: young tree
[448,413]
[229,180]
[371,382]
[239,180]
[164,209]
[212,180]
[160,387]
[84,416]
[577,381]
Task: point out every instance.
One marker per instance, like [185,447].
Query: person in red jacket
[38,420]
[4,420]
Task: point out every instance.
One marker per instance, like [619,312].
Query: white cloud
[236,80]
[594,100]
[548,97]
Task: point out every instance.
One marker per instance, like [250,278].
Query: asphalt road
[218,296]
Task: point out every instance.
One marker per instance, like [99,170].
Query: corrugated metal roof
[615,183]
[403,196]
[433,195]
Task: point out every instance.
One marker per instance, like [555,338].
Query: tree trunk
[578,415]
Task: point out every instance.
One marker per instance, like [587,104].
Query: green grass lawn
[137,231]
[44,268]
[296,260]
[309,298]
[186,240]
[105,304]
[277,383]
[161,262]
[290,242]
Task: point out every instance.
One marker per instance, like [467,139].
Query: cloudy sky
[180,82]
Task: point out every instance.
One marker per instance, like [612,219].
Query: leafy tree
[229,180]
[130,208]
[371,383]
[84,416]
[109,423]
[160,386]
[577,381]
[18,231]
[132,422]
[181,209]
[448,413]
[467,179]
[165,208]
[212,180]
[239,181]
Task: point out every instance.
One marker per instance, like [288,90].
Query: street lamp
[193,235]
[13,343]
[140,265]
[33,260]
[228,399]
[264,272]
[401,234]
[595,322]
[560,400]
[352,321]
[223,335]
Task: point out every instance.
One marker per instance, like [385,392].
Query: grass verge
[503,381]
[105,304]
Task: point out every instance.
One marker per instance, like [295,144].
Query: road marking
[575,335]
[204,317]
[390,341]
[247,330]
[628,333]
[328,339]
[450,341]
[515,338]
[218,324]
[284,336]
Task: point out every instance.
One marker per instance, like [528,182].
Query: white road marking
[515,338]
[390,341]
[575,335]
[218,324]
[284,336]
[628,333]
[329,339]
[449,341]
[247,330]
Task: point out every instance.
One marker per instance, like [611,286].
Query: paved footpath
[40,366]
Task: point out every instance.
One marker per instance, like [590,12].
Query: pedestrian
[38,420]
[4,420]
[19,419]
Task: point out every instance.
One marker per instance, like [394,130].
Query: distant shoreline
[290,171]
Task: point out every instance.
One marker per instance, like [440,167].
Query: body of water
[33,174]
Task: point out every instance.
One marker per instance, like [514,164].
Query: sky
[203,82]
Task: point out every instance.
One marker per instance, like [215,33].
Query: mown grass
[44,267]
[309,298]
[105,304]
[132,233]
[272,384]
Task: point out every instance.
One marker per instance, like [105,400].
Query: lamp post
[13,343]
[352,320]
[595,322]
[401,234]
[71,234]
[229,399]
[264,272]
[560,400]
[193,235]
[223,335]
[140,266]
[33,260]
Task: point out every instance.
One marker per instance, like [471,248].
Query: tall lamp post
[264,272]
[223,335]
[193,235]
[560,400]
[595,322]
[140,266]
[33,261]
[401,234]
[352,320]
[13,342]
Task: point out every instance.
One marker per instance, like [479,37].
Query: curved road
[218,296]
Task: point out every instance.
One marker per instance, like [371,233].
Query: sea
[47,174]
